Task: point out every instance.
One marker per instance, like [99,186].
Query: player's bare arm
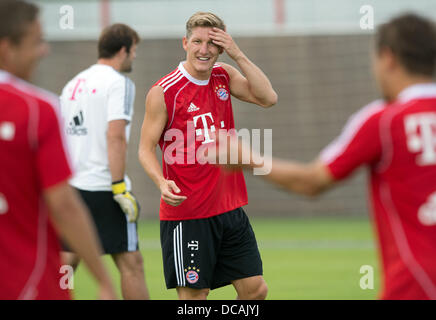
[155,120]
[117,154]
[308,179]
[253,86]
[72,221]
[117,148]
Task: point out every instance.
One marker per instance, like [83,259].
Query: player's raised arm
[254,86]
[155,119]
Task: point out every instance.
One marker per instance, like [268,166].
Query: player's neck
[15,72]
[114,63]
[6,69]
[195,74]
[406,81]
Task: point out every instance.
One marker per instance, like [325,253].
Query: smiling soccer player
[207,240]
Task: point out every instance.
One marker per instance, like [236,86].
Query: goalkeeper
[97,109]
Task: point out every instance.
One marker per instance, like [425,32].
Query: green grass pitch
[302,259]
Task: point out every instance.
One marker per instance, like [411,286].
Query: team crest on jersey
[222,92]
[192,275]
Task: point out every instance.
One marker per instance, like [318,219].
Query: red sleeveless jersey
[205,107]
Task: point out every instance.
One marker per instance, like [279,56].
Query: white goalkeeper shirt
[89,101]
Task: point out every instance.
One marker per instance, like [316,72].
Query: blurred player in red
[207,240]
[35,197]
[395,138]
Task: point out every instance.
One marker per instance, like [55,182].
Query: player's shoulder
[221,68]
[416,98]
[171,82]
[109,75]
[369,113]
[43,105]
[167,77]
[120,81]
[84,74]
[104,75]
[33,94]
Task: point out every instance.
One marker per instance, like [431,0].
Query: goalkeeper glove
[126,200]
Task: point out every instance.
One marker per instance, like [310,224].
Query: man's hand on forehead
[222,39]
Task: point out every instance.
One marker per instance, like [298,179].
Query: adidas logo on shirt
[76,126]
[193,108]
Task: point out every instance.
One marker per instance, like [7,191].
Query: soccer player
[395,138]
[207,240]
[35,198]
[97,109]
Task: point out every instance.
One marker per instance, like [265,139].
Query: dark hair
[412,39]
[15,17]
[114,37]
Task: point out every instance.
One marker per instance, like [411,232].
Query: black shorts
[115,232]
[211,252]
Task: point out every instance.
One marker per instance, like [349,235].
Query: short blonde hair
[203,19]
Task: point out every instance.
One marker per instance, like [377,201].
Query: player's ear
[388,59]
[185,43]
[5,49]
[122,51]
[3,46]
[220,50]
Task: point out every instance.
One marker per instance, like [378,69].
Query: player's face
[128,61]
[201,53]
[22,58]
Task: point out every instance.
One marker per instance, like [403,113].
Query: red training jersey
[197,109]
[33,158]
[397,141]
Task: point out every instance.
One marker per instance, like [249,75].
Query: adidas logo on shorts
[193,108]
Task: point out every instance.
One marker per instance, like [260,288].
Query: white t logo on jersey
[421,136]
[205,130]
